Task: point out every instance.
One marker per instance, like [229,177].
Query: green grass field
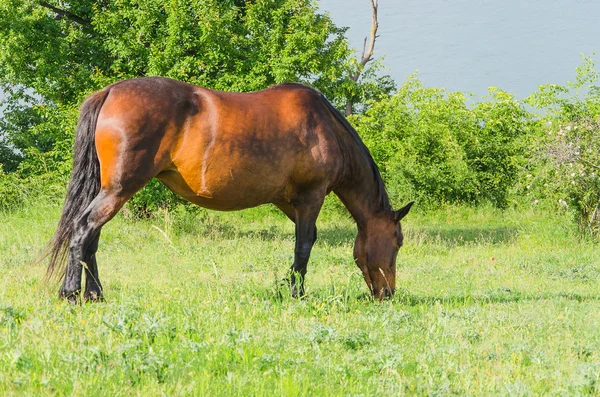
[488,302]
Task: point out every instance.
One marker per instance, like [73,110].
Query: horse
[286,145]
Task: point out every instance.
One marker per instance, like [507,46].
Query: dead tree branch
[367,51]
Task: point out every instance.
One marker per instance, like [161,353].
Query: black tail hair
[84,185]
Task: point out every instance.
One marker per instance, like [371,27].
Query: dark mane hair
[382,195]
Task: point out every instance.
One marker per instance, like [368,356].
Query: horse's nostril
[383,293]
[388,292]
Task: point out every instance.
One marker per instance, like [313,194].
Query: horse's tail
[84,185]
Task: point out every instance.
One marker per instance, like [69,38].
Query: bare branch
[374,25]
[65,14]
[367,51]
[362,55]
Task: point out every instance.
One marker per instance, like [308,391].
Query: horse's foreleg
[306,213]
[290,212]
[84,243]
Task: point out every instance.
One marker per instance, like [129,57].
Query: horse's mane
[382,195]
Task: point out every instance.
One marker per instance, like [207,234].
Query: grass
[488,302]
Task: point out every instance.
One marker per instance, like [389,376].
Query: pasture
[487,302]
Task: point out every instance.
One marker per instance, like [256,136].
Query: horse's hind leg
[93,288]
[84,243]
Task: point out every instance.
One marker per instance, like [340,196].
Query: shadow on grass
[344,235]
[459,236]
[337,235]
[494,297]
[334,236]
[282,294]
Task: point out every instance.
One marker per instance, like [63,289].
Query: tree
[370,86]
[53,54]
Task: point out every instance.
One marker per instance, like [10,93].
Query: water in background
[469,45]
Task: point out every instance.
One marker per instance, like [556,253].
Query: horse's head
[376,248]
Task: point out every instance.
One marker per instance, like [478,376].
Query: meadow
[488,302]
[498,294]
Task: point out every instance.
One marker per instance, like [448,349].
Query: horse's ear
[401,213]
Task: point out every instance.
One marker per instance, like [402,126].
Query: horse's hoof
[71,297]
[298,293]
[93,296]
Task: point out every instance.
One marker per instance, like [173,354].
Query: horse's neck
[359,192]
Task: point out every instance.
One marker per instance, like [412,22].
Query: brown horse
[286,145]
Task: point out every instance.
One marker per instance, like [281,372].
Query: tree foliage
[222,44]
[435,148]
[54,54]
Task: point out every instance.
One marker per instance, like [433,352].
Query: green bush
[565,168]
[16,190]
[43,150]
[434,148]
[499,146]
[13,191]
[151,198]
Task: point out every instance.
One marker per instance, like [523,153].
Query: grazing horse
[286,145]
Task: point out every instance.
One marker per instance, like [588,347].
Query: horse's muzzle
[384,293]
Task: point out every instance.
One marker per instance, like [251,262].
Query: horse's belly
[242,170]
[224,191]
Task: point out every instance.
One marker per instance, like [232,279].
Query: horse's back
[221,150]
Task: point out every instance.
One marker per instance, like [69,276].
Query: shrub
[151,198]
[497,151]
[432,147]
[566,167]
[16,190]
